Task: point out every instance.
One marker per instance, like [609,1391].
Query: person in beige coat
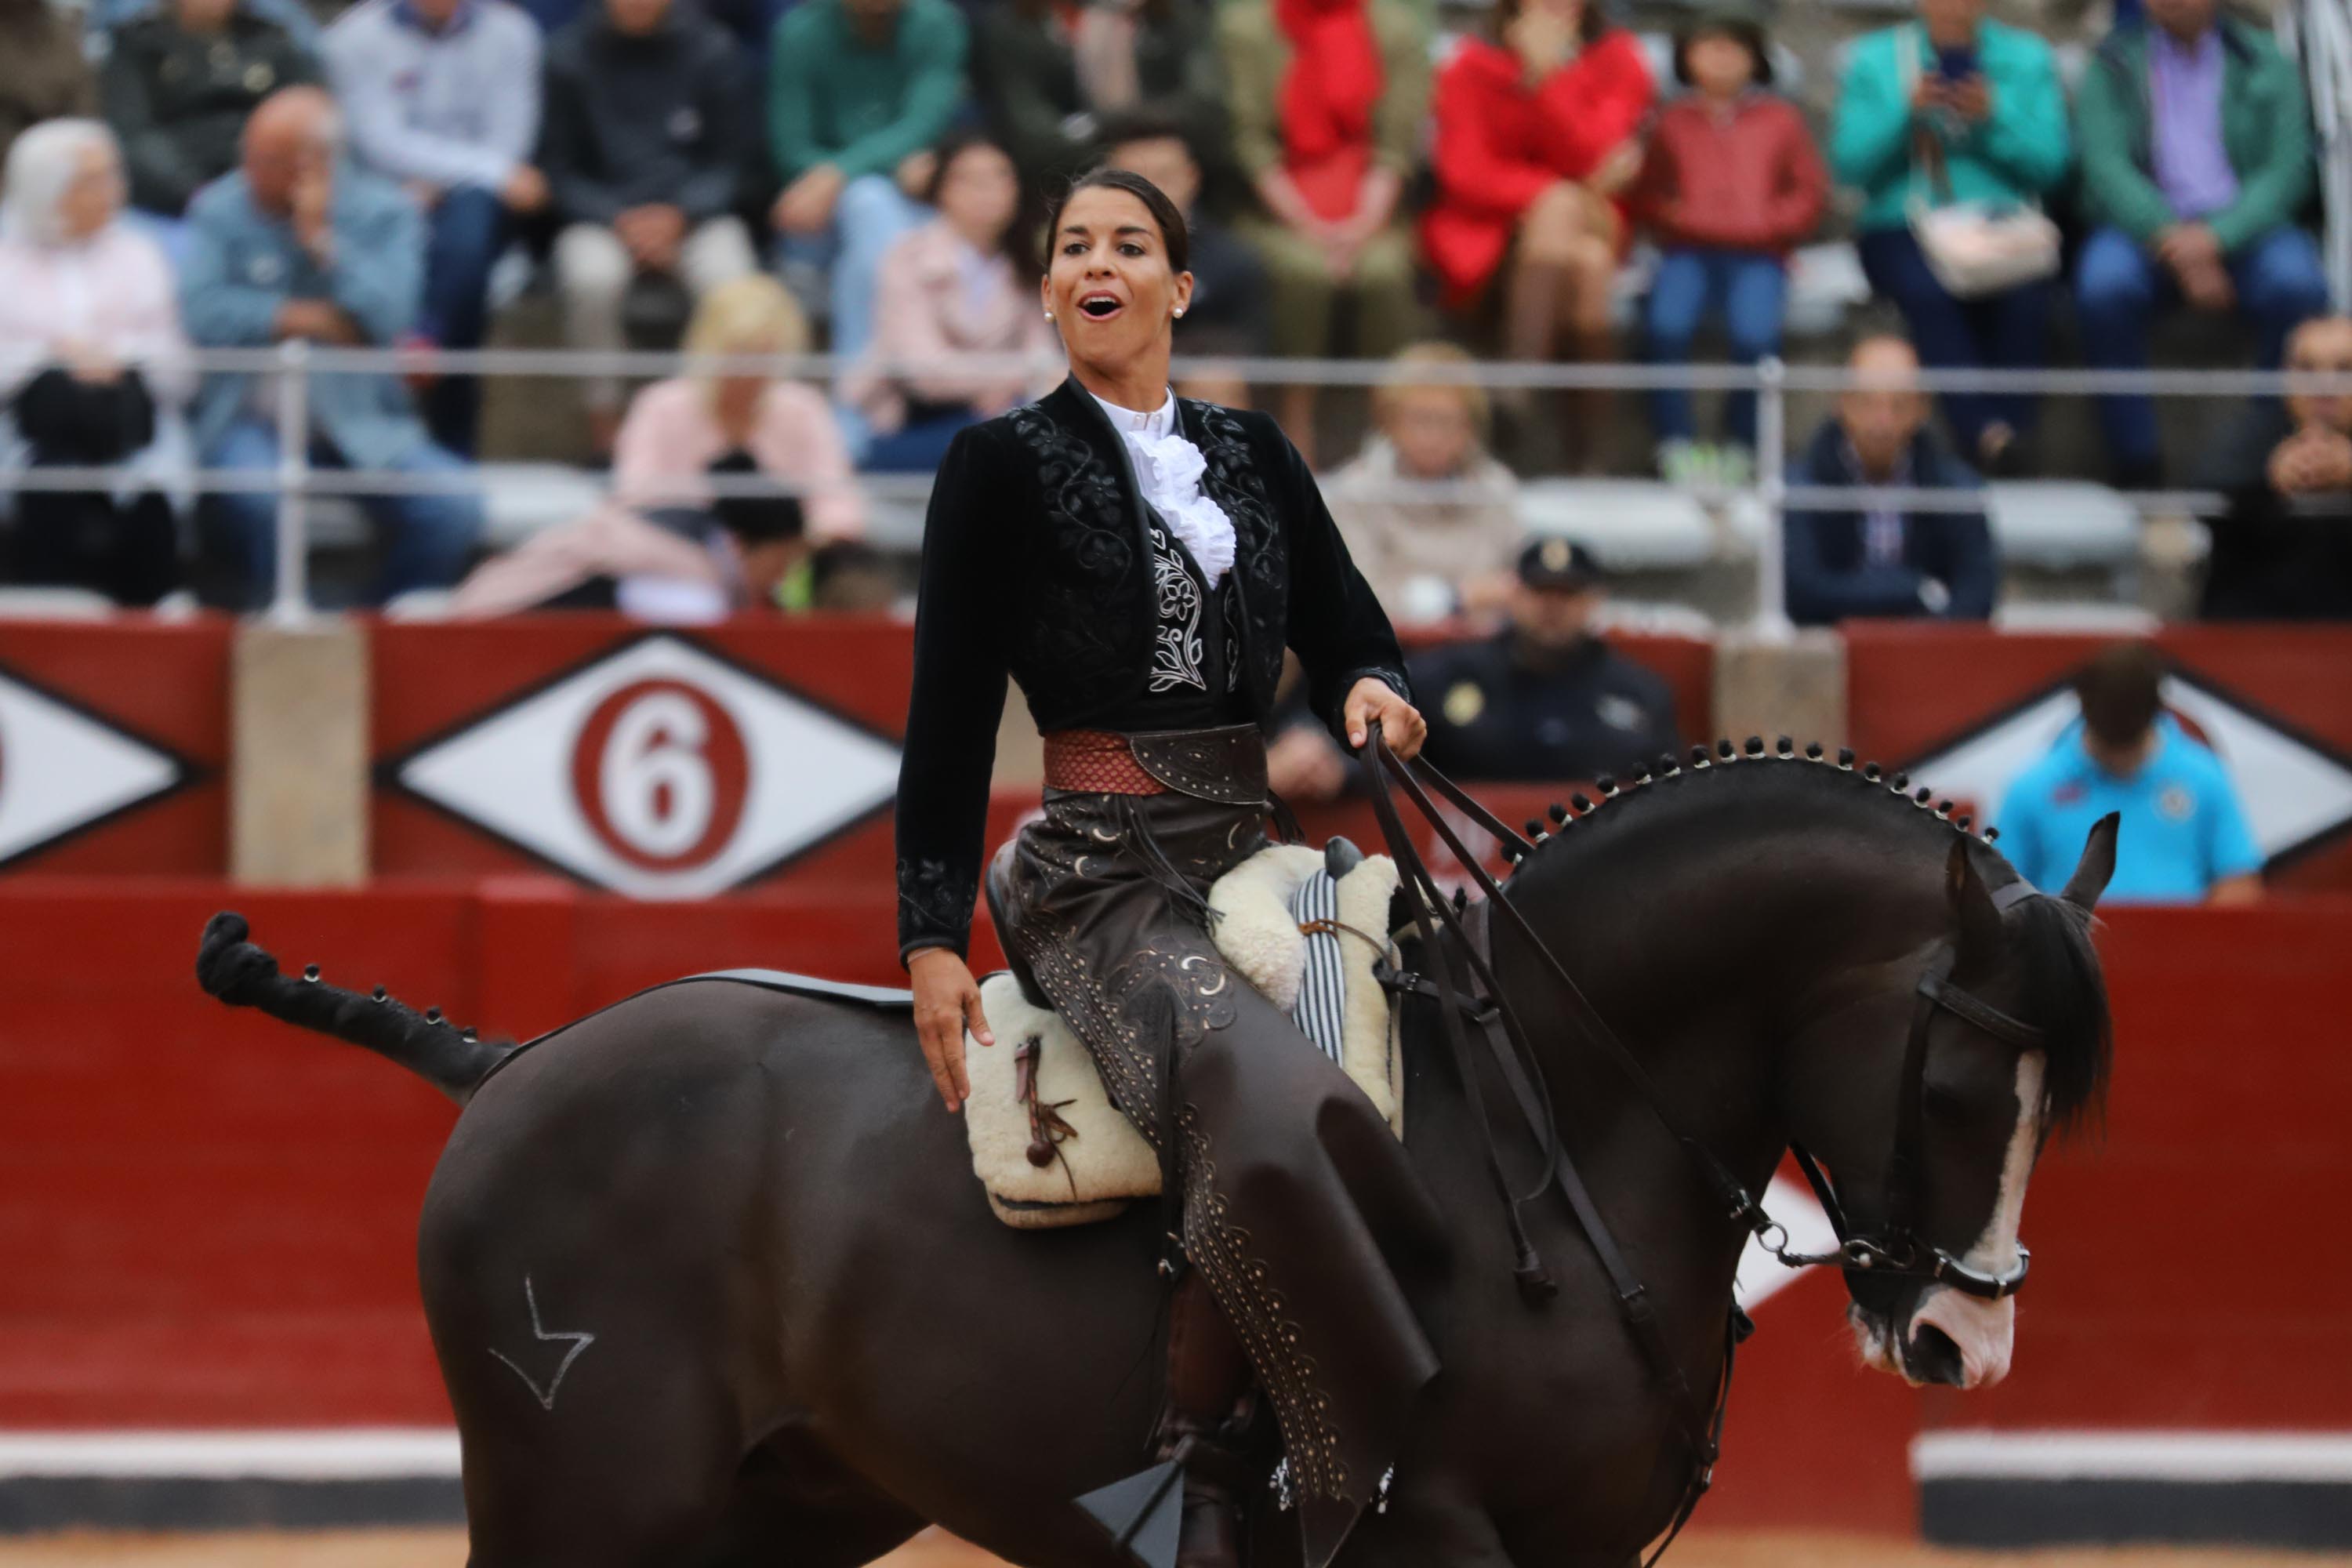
[964,283]
[1449,551]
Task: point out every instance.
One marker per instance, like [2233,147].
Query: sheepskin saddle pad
[1046,1141]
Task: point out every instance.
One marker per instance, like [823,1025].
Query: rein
[1898,1252]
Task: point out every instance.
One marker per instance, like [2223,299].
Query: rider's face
[1109,288]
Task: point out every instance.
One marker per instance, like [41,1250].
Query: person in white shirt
[93,366]
[443,96]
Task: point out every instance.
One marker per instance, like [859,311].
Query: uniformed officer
[1545,700]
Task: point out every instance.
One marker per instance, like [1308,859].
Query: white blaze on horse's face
[1982,1330]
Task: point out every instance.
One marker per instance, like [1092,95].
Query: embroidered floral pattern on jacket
[1233,481]
[1176,642]
[935,900]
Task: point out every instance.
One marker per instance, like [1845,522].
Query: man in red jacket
[1732,183]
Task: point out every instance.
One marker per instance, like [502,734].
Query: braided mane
[2063,992]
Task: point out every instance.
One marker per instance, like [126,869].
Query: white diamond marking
[807,774]
[59,769]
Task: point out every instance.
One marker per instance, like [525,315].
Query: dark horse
[710,1280]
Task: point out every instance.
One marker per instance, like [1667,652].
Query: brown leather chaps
[1299,1207]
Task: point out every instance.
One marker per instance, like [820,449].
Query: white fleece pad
[1106,1164]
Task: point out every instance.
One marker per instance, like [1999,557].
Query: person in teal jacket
[1986,96]
[2197,159]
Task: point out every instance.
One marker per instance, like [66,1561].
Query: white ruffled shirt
[1169,468]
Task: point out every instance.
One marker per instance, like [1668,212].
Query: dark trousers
[467,233]
[1300,1208]
[127,548]
[2119,286]
[2008,331]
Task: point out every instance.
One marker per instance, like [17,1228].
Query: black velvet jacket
[1037,566]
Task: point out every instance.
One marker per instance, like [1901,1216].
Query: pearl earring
[1049,315]
[1180,312]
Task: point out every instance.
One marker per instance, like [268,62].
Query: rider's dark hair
[1173,235]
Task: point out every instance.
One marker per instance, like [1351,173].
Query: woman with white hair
[93,366]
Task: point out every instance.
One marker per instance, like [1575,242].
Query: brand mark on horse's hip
[580,1340]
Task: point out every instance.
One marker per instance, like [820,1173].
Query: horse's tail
[243,975]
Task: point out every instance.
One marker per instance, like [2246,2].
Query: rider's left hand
[1373,701]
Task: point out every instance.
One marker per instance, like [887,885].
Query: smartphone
[1956,65]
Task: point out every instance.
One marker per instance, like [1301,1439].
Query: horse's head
[1928,1091]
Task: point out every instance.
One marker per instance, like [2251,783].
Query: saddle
[1047,1144]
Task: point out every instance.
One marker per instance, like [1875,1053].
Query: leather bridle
[1896,1251]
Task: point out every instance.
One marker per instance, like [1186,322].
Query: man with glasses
[2283,541]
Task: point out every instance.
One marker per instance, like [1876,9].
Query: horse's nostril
[1933,1357]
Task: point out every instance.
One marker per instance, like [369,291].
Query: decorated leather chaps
[1298,1204]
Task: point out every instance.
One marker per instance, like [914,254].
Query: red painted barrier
[208,1218]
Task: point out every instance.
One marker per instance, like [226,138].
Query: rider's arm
[957,701]
[1341,634]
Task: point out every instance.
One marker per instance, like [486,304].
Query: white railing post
[1771,495]
[290,601]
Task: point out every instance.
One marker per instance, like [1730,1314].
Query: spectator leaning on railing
[648,134]
[299,244]
[2184,837]
[1328,101]
[2197,157]
[179,82]
[2283,542]
[1731,184]
[1983,101]
[1537,148]
[678,429]
[43,72]
[93,367]
[1428,559]
[964,283]
[859,91]
[443,96]
[1050,75]
[1850,563]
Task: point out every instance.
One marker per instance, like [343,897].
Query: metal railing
[292,367]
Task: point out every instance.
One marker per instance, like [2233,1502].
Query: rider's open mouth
[1100,307]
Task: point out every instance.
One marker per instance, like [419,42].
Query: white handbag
[1974,248]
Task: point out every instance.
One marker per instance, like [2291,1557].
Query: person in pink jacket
[676,429]
[964,283]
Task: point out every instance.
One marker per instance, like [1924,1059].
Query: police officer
[1546,699]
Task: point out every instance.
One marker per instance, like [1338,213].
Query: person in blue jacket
[2184,837]
[1849,563]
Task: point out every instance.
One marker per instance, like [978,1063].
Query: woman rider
[1138,562]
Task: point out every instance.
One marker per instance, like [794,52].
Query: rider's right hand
[946,1002]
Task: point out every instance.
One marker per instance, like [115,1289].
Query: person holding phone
[1984,100]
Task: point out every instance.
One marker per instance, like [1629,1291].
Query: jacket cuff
[1387,674]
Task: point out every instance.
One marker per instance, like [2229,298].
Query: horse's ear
[1979,921]
[2097,864]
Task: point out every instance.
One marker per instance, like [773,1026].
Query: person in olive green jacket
[1048,75]
[2197,159]
[1986,99]
[1328,98]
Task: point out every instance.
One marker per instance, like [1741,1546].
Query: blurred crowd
[863,176]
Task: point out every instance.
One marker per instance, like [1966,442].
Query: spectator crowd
[864,176]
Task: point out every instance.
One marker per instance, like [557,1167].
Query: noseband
[1897,1251]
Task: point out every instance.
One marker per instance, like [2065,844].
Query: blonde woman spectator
[964,283]
[94,366]
[678,429]
[1427,558]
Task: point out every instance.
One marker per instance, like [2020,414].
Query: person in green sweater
[858,93]
[1985,98]
[2197,157]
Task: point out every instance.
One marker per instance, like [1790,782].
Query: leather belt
[1096,761]
[1226,764]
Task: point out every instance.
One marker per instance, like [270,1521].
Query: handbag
[1974,248]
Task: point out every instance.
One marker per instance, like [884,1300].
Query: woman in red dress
[1538,149]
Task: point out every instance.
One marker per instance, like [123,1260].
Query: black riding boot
[1208,1386]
